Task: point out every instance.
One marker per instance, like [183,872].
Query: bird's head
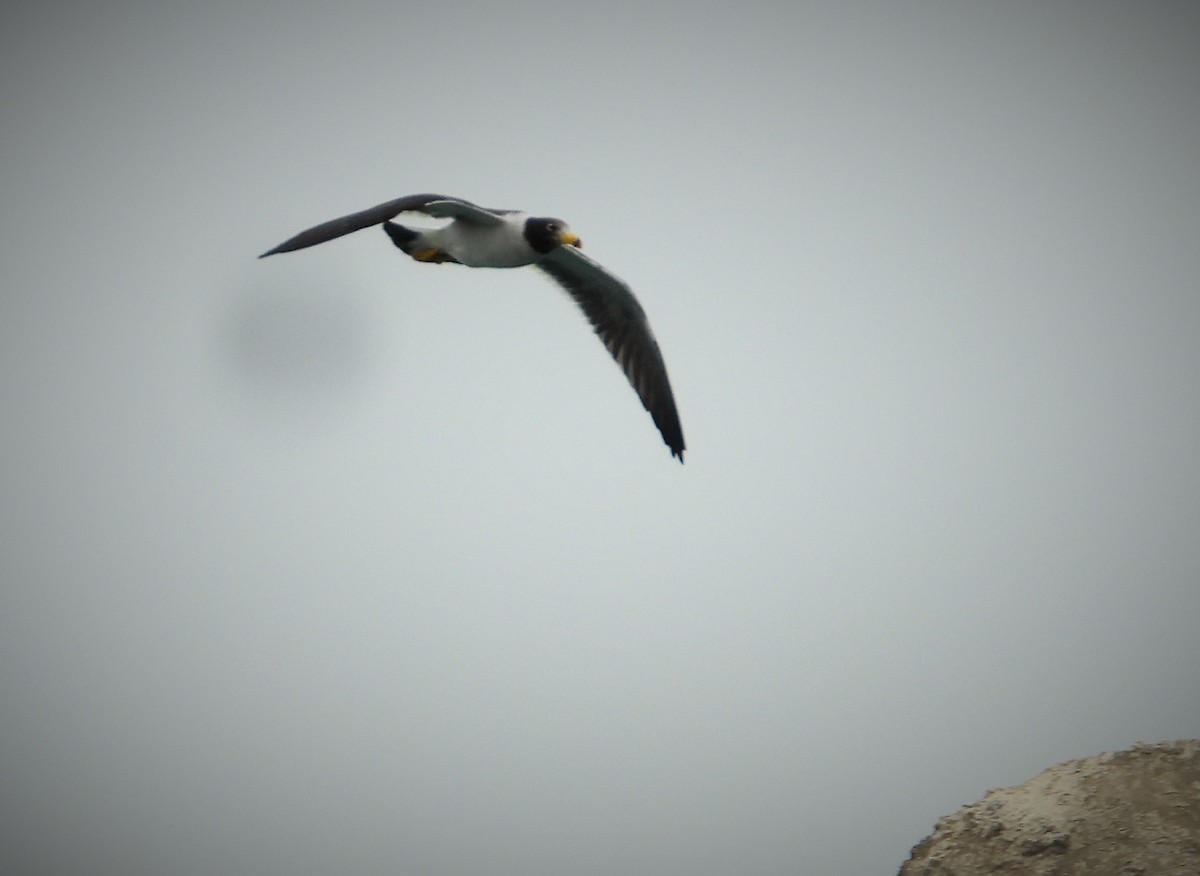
[545,233]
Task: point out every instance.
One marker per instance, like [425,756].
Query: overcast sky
[339,563]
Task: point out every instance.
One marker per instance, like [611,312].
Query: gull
[484,238]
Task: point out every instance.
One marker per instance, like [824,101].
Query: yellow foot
[432,255]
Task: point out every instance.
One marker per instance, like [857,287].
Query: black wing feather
[355,221]
[621,325]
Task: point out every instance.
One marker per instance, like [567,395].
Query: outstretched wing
[621,324]
[456,208]
[433,205]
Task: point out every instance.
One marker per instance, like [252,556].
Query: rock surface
[1126,813]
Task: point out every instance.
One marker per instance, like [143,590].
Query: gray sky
[337,563]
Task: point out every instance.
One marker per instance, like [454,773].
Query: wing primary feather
[620,323]
[343,225]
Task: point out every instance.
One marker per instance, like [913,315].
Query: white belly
[478,246]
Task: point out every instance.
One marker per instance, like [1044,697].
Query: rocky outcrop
[1128,813]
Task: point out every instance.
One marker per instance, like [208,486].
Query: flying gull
[484,238]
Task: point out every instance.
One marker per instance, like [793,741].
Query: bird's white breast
[479,246]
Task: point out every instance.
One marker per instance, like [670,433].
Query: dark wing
[621,324]
[465,211]
[374,216]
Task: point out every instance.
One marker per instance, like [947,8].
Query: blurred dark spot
[297,345]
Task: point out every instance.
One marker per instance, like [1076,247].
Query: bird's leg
[432,255]
[407,239]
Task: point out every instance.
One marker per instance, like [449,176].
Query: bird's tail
[403,237]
